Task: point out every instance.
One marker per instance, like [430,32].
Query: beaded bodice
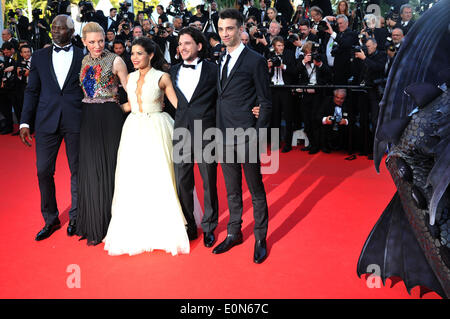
[97,79]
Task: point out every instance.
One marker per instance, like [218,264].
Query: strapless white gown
[146,212]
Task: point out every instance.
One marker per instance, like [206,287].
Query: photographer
[247,9]
[8,86]
[7,36]
[125,13]
[124,32]
[283,71]
[342,53]
[109,40]
[21,24]
[263,42]
[372,66]
[167,43]
[312,71]
[199,16]
[274,16]
[392,47]
[112,19]
[304,35]
[334,121]
[39,29]
[176,8]
[262,15]
[23,71]
[406,21]
[57,7]
[371,30]
[216,47]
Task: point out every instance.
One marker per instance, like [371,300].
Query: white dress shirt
[234,56]
[61,64]
[188,78]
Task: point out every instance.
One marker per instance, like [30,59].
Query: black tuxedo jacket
[406,28]
[173,44]
[202,105]
[247,86]
[45,101]
[291,73]
[323,74]
[342,63]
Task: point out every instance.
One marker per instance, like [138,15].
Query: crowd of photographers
[341,60]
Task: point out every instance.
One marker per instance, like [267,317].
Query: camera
[315,55]
[389,45]
[149,10]
[358,48]
[323,25]
[87,11]
[274,58]
[336,118]
[11,13]
[23,67]
[36,13]
[260,33]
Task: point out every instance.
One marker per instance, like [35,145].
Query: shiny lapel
[174,83]
[52,70]
[203,78]
[75,56]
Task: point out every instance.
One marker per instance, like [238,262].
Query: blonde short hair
[92,27]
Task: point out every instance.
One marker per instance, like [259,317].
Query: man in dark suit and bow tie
[194,81]
[53,102]
[242,84]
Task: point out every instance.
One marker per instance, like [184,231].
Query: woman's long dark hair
[158,62]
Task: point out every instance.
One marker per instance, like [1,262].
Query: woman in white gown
[146,213]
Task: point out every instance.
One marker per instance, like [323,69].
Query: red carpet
[321,210]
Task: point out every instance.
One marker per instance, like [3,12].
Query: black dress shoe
[313,150]
[326,150]
[71,229]
[208,239]
[260,253]
[229,242]
[47,231]
[286,148]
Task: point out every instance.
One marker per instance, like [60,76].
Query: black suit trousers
[47,147]
[282,108]
[232,172]
[184,177]
[8,100]
[311,115]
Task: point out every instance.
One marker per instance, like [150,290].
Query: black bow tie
[66,48]
[192,66]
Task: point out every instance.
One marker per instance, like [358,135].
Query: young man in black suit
[242,84]
[194,81]
[52,101]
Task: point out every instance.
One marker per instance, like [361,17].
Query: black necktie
[66,48]
[225,71]
[192,66]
